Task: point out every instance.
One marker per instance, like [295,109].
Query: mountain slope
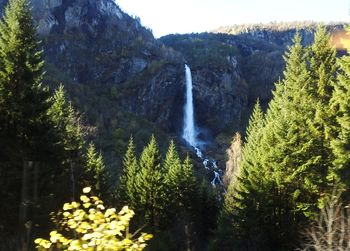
[125,81]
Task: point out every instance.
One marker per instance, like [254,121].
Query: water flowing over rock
[189,132]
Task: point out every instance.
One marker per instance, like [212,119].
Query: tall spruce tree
[23,99]
[95,171]
[26,136]
[150,184]
[180,182]
[187,184]
[67,124]
[323,70]
[340,103]
[239,218]
[173,169]
[127,191]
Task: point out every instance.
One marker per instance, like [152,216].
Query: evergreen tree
[180,182]
[187,183]
[239,211]
[24,126]
[127,188]
[251,151]
[250,160]
[95,168]
[150,184]
[341,105]
[291,144]
[323,70]
[323,65]
[67,124]
[23,99]
[173,169]
[25,133]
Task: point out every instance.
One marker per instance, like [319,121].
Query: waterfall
[189,131]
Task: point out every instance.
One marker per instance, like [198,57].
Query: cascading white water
[190,133]
[189,130]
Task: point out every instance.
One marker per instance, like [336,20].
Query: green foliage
[66,121]
[166,197]
[27,138]
[95,172]
[89,226]
[150,183]
[23,100]
[172,165]
[180,183]
[187,184]
[340,104]
[67,125]
[286,167]
[203,49]
[127,189]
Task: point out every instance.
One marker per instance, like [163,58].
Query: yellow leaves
[87,205]
[109,212]
[67,206]
[70,206]
[101,207]
[87,190]
[84,199]
[66,214]
[43,243]
[54,236]
[94,228]
[75,204]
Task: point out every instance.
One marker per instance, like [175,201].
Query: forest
[286,183]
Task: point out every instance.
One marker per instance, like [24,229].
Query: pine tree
[239,210]
[26,136]
[291,144]
[187,183]
[250,168]
[150,184]
[322,65]
[127,188]
[173,169]
[23,99]
[340,103]
[67,124]
[251,150]
[180,181]
[96,171]
[180,184]
[323,70]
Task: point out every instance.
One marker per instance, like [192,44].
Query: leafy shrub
[88,225]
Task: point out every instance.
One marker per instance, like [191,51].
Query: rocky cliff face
[94,45]
[220,96]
